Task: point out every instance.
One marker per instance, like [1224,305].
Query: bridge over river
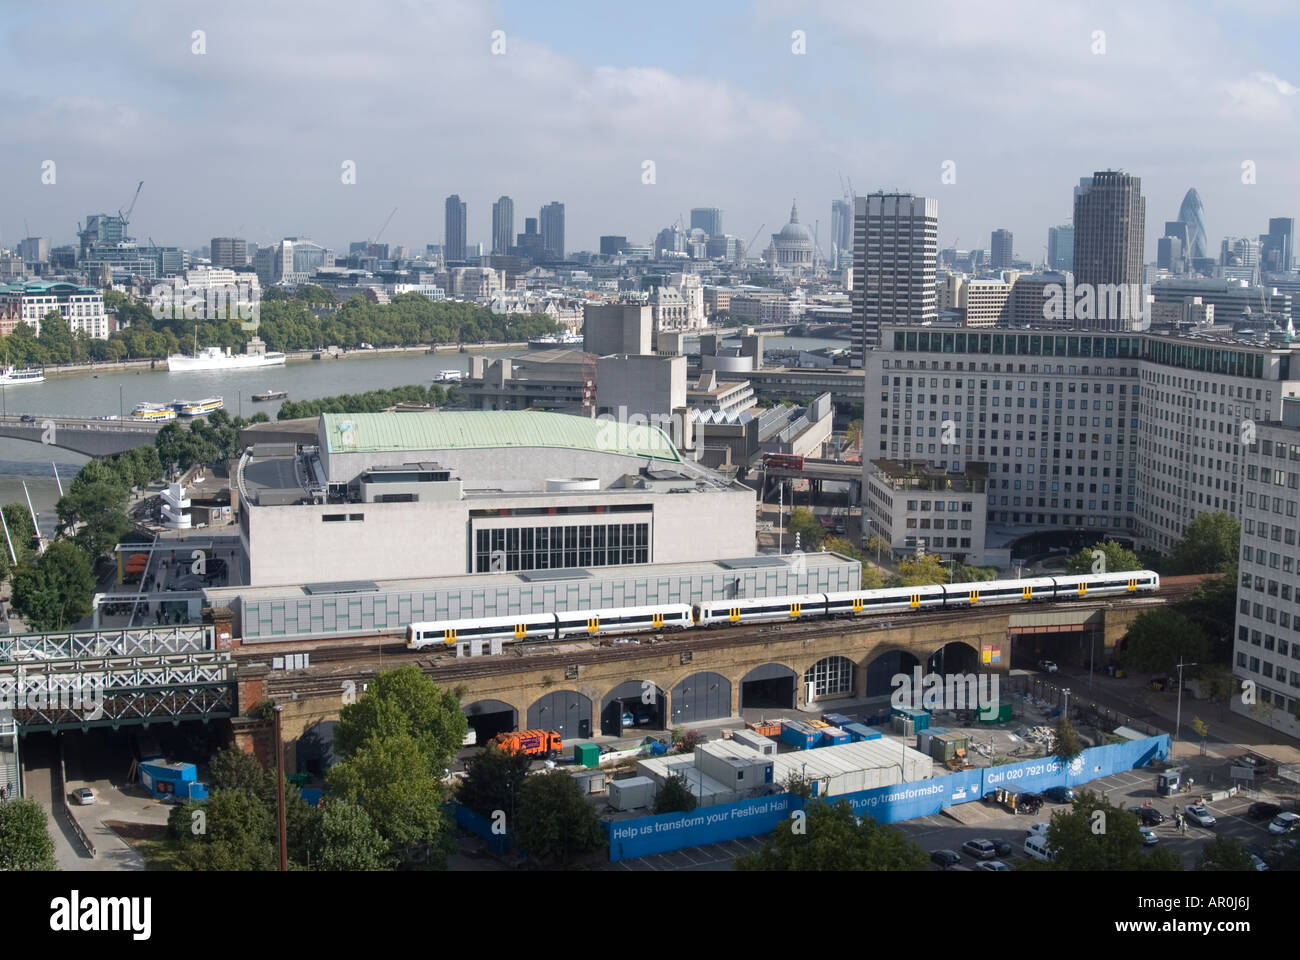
[94,438]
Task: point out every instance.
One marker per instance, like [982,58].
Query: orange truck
[539,743]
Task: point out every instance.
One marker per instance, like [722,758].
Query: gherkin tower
[1192,213]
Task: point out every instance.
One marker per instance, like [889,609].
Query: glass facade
[561,547]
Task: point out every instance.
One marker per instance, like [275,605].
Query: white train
[680,616]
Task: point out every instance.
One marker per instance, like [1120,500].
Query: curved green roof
[471,430]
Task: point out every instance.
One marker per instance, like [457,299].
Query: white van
[1037,848]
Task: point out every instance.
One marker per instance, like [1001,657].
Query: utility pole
[1178,720]
[279,776]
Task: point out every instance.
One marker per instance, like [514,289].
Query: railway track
[368,659]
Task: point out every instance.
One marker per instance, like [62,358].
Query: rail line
[370,658]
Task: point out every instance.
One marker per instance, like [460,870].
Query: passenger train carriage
[620,620]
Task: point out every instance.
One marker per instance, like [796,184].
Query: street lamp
[1178,721]
[279,776]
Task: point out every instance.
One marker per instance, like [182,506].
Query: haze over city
[249,137]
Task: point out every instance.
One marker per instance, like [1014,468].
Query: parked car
[1058,795]
[1263,811]
[993,866]
[1003,848]
[1038,829]
[945,858]
[1148,816]
[1047,666]
[1202,816]
[84,796]
[979,849]
[1149,837]
[1257,862]
[1285,823]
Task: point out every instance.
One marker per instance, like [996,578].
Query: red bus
[783,460]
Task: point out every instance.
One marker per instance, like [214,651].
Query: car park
[979,849]
[993,866]
[1201,816]
[1148,816]
[1263,811]
[1047,666]
[1149,837]
[1058,795]
[1285,822]
[945,858]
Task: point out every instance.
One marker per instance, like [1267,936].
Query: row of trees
[373,401]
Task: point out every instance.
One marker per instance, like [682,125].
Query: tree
[22,535]
[1213,607]
[1115,559]
[1202,730]
[879,544]
[1158,638]
[556,824]
[54,592]
[675,796]
[826,836]
[391,778]
[807,527]
[1096,836]
[25,842]
[1217,684]
[1224,853]
[797,784]
[923,570]
[346,839]
[1210,543]
[236,769]
[491,779]
[871,578]
[1067,739]
[405,701]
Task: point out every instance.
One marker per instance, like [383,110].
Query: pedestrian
[3,794]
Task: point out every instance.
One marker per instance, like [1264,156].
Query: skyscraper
[1277,246]
[1109,228]
[841,233]
[453,248]
[1192,213]
[503,225]
[1000,250]
[708,219]
[1060,247]
[229,252]
[551,221]
[895,249]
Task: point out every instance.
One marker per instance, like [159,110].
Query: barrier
[67,810]
[904,801]
[480,825]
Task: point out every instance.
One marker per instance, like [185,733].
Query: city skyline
[612,102]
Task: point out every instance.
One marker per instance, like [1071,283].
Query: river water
[113,394]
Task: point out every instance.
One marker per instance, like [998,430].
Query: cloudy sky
[250,137]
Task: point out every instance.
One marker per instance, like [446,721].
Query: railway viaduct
[534,687]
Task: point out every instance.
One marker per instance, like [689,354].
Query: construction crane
[383,228]
[752,239]
[126,217]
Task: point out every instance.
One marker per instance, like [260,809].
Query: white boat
[449,376]
[13,375]
[197,408]
[215,358]
[556,340]
[153,412]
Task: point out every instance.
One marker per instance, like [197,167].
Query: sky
[995,109]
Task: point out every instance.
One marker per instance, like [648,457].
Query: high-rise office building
[503,225]
[1276,247]
[1109,228]
[1000,250]
[841,233]
[229,252]
[453,247]
[1060,247]
[551,221]
[895,250]
[611,246]
[708,219]
[1192,213]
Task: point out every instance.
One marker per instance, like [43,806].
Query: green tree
[237,831]
[1224,853]
[25,842]
[93,507]
[556,823]
[871,578]
[807,526]
[1158,638]
[832,837]
[1210,543]
[405,701]
[22,535]
[234,769]
[491,779]
[1067,739]
[390,777]
[675,796]
[346,839]
[54,592]
[1213,607]
[922,570]
[1096,836]
[1115,559]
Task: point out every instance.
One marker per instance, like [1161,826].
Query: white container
[632,793]
[755,741]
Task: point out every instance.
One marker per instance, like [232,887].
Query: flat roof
[478,430]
